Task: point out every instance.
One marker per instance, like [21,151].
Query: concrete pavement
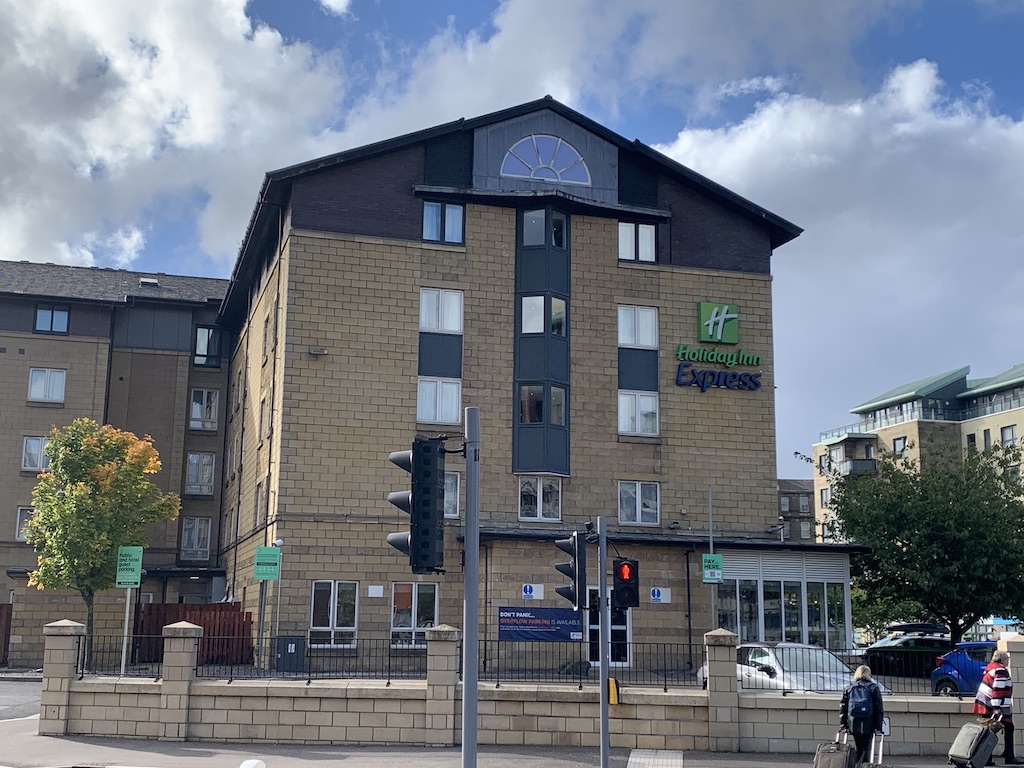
[22,747]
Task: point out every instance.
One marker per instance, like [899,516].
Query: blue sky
[137,135]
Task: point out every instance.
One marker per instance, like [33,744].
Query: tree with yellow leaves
[94,499]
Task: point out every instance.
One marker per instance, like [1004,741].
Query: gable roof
[913,391]
[277,184]
[63,281]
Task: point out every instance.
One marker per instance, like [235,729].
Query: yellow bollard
[613,691]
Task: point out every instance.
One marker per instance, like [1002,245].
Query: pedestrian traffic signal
[423,543]
[575,569]
[625,583]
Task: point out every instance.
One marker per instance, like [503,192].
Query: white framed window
[443,222]
[451,494]
[266,337]
[805,504]
[264,418]
[638,327]
[259,504]
[639,503]
[207,349]
[24,515]
[440,310]
[638,413]
[533,314]
[540,498]
[1008,435]
[195,538]
[805,529]
[46,384]
[439,400]
[899,446]
[826,497]
[205,403]
[636,242]
[199,467]
[33,454]
[413,611]
[784,503]
[332,617]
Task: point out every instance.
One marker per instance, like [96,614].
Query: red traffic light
[625,571]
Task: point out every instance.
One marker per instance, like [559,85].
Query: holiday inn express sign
[717,324]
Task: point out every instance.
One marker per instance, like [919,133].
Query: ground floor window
[333,616]
[413,611]
[776,610]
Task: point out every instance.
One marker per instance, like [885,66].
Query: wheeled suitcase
[973,746]
[836,754]
[875,758]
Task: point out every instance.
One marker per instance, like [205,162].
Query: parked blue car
[958,673]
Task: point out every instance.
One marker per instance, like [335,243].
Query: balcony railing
[857,467]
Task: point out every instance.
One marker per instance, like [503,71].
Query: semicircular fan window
[542,157]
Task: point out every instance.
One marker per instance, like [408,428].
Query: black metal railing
[102,654]
[642,664]
[292,657]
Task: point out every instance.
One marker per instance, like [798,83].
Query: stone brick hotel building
[609,312]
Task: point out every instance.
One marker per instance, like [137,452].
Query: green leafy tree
[95,498]
[946,533]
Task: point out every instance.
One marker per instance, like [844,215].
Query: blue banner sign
[543,624]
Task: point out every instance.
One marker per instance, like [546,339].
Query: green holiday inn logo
[718,323]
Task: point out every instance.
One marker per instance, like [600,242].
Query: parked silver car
[789,667]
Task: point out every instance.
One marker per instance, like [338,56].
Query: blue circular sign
[527,590]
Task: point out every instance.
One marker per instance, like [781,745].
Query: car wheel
[946,687]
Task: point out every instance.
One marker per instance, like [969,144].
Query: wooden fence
[227,631]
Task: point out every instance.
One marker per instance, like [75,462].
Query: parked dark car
[959,671]
[909,652]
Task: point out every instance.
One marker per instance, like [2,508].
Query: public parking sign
[712,565]
[268,564]
[129,567]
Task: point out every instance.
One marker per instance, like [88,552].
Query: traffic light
[575,569]
[625,583]
[424,541]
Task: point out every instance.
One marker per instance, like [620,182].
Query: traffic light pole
[606,634]
[471,587]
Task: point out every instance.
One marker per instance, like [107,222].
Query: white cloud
[336,7]
[910,198]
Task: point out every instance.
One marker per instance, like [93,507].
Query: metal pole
[124,643]
[606,634]
[471,587]
[711,546]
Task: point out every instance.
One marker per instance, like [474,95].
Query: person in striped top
[995,694]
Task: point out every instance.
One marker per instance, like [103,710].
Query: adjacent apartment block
[609,312]
[947,408]
[138,351]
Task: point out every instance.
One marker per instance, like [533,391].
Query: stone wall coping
[720,637]
[64,627]
[182,629]
[117,685]
[444,633]
[326,689]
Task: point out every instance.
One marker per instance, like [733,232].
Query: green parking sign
[129,567]
[712,566]
[268,564]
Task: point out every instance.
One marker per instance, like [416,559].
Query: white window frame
[413,635]
[630,416]
[264,418]
[53,379]
[194,481]
[342,636]
[260,502]
[826,497]
[194,530]
[542,485]
[805,529]
[784,503]
[441,310]
[429,406]
[639,515]
[902,443]
[805,504]
[44,460]
[1008,435]
[209,409]
[630,327]
[633,239]
[23,516]
[452,481]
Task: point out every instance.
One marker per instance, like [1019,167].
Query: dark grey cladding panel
[153,328]
[638,369]
[440,355]
[493,141]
